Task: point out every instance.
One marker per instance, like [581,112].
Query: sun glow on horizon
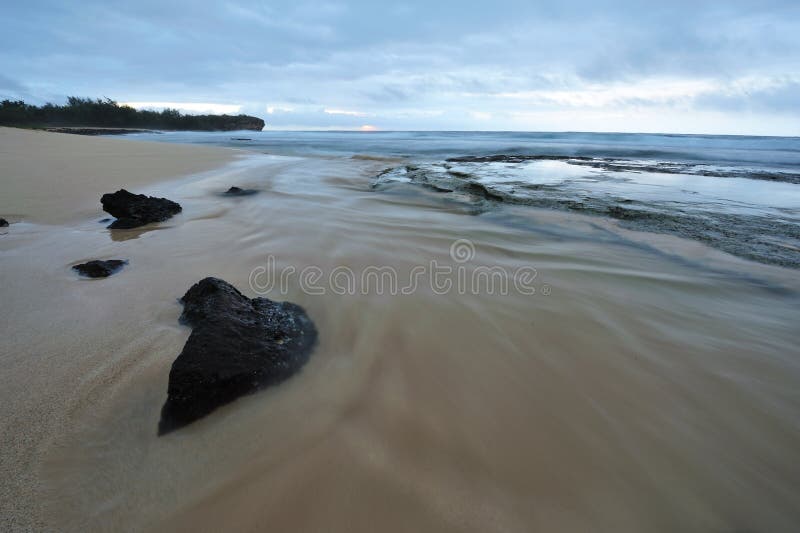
[368,127]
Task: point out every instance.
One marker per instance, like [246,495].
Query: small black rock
[238,191]
[237,346]
[134,210]
[99,269]
[3,223]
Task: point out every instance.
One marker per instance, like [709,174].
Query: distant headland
[105,116]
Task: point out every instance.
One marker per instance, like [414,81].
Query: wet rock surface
[514,158]
[603,187]
[3,223]
[134,210]
[100,269]
[237,346]
[631,165]
[238,191]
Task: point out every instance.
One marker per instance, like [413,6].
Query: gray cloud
[414,64]
[783,97]
[11,89]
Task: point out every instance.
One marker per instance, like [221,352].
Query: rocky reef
[589,186]
[629,165]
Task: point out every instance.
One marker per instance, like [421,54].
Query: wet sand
[648,385]
[51,185]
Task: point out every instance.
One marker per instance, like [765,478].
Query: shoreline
[52,185]
[53,178]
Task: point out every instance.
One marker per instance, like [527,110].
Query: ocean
[737,194]
[770,152]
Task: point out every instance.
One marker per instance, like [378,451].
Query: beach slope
[61,336]
[53,178]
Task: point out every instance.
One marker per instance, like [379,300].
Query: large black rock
[3,223]
[237,346]
[134,210]
[99,269]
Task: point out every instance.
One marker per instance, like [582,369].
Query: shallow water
[738,194]
[649,383]
[752,218]
[777,153]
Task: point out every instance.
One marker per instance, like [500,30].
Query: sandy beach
[51,187]
[648,385]
[54,178]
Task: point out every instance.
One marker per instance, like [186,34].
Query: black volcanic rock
[3,223]
[238,191]
[134,210]
[237,346]
[514,158]
[99,269]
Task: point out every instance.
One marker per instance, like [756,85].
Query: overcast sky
[592,65]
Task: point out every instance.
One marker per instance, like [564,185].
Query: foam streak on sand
[652,387]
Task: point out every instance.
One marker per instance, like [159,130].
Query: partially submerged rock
[637,165]
[100,269]
[237,346]
[134,210]
[238,191]
[3,223]
[514,158]
[753,234]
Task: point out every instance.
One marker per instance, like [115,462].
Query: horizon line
[358,130]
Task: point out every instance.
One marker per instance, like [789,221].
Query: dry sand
[53,178]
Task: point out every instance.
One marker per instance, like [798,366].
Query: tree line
[106,113]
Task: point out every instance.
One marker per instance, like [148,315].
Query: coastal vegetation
[106,113]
